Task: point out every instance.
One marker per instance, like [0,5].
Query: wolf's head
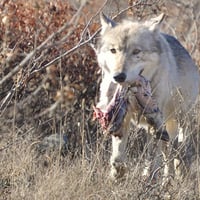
[128,48]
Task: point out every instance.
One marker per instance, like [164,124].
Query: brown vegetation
[49,80]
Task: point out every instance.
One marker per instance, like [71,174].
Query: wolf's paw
[150,179]
[167,181]
[118,170]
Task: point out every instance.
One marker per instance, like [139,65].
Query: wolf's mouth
[112,117]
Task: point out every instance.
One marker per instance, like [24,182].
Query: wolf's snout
[121,77]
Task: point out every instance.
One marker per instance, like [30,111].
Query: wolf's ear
[154,23]
[106,22]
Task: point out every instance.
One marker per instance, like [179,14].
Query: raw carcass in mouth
[144,104]
[112,117]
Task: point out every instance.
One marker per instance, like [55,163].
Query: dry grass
[25,174]
[39,98]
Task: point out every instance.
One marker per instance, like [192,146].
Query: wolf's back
[188,73]
[180,54]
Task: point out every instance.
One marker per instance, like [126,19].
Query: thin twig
[79,44]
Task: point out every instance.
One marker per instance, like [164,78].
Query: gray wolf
[129,48]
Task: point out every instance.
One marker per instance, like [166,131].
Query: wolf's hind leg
[168,170]
[181,159]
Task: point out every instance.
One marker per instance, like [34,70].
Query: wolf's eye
[136,51]
[113,50]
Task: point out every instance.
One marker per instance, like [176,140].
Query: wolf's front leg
[152,158]
[118,157]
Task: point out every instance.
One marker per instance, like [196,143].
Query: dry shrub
[46,98]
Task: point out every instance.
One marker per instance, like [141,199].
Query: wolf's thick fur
[128,48]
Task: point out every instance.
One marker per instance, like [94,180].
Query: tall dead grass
[26,174]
